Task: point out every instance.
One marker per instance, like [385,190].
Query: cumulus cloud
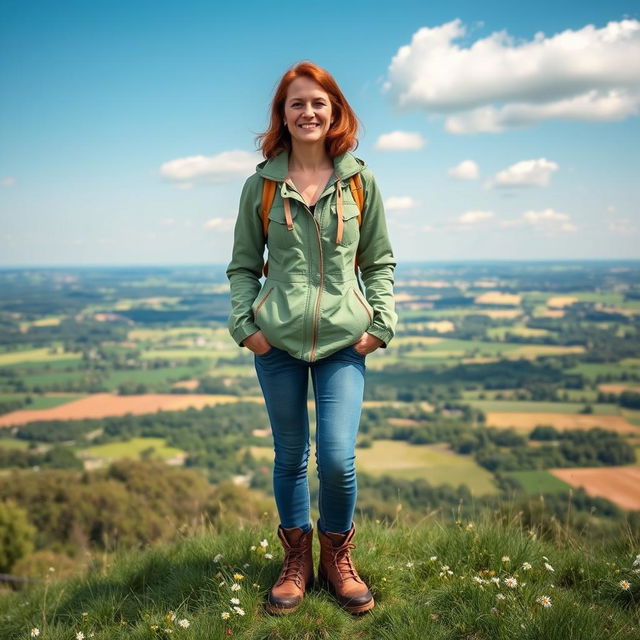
[466,170]
[220,224]
[526,173]
[400,141]
[222,167]
[473,217]
[547,220]
[399,203]
[9,181]
[498,83]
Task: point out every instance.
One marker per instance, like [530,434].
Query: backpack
[269,194]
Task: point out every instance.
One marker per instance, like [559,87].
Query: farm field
[538,481]
[542,407]
[100,405]
[435,463]
[621,485]
[525,422]
[43,401]
[132,449]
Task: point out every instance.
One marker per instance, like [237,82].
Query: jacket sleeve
[245,269]
[377,262]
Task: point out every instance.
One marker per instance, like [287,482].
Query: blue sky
[494,131]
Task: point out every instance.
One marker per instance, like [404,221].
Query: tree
[16,534]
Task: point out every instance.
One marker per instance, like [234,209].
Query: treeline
[130,504]
[55,458]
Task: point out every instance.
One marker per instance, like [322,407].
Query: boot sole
[275,609]
[359,609]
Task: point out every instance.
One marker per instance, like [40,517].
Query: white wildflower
[252,547]
[235,587]
[264,543]
[511,582]
[548,567]
[624,584]
[636,562]
[409,565]
[545,601]
[495,580]
[506,559]
[79,635]
[526,566]
[239,611]
[433,558]
[235,601]
[217,557]
[224,615]
[268,556]
[35,632]
[500,596]
[184,623]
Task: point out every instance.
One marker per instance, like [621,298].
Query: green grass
[539,481]
[136,594]
[591,369]
[130,448]
[149,376]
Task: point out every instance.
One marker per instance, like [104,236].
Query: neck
[305,158]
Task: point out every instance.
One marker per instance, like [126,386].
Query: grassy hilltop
[486,579]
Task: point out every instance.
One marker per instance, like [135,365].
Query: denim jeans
[338,385]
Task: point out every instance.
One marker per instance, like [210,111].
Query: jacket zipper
[255,315]
[317,311]
[362,303]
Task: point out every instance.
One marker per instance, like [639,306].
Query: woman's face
[307,111]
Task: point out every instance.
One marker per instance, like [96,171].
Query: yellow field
[497,297]
[36,355]
[618,388]
[443,326]
[525,422]
[159,334]
[558,302]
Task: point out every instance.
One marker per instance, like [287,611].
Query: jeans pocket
[265,354]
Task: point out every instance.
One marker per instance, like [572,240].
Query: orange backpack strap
[355,184]
[268,195]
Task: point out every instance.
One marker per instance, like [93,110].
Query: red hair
[341,136]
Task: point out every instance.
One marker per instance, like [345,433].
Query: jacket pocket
[351,228]
[364,303]
[279,235]
[259,301]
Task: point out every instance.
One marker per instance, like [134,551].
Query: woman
[310,315]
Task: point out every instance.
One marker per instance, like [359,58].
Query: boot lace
[343,562]
[292,567]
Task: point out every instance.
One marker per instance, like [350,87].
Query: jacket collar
[277,168]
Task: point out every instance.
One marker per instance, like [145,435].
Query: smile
[311,125]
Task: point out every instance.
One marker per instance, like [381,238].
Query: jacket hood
[277,168]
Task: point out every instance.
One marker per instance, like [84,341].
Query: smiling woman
[310,315]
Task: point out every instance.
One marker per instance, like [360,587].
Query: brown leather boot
[337,574]
[296,574]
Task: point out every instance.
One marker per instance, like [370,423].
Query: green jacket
[310,304]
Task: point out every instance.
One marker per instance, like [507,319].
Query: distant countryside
[506,382]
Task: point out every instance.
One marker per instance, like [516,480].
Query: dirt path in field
[621,485]
[523,421]
[101,405]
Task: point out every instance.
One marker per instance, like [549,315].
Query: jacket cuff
[243,332]
[383,334]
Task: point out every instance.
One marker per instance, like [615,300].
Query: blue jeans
[338,385]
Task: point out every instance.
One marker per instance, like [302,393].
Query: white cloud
[400,141]
[9,181]
[473,217]
[220,224]
[622,226]
[466,170]
[526,173]
[222,167]
[498,83]
[547,220]
[399,203]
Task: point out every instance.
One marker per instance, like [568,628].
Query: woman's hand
[367,343]
[257,343]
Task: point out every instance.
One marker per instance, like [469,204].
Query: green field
[151,376]
[435,463]
[130,448]
[35,355]
[538,481]
[592,370]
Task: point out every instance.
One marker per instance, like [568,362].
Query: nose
[308,110]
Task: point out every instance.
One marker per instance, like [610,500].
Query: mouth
[308,125]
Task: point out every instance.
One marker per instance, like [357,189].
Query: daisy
[224,615]
[545,601]
[511,582]
[234,601]
[500,596]
[624,584]
[433,558]
[264,543]
[268,556]
[495,580]
[548,567]
[239,611]
[506,559]
[184,623]
[526,566]
[235,587]
[35,632]
[79,635]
